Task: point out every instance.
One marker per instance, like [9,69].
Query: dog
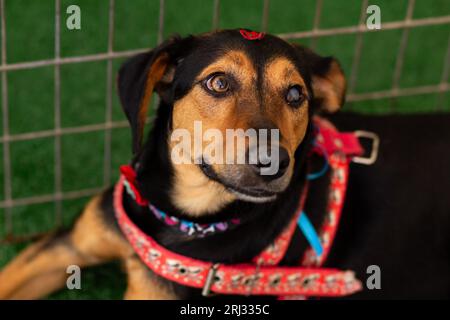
[395,215]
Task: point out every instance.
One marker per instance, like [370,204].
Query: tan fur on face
[279,75]
[192,190]
[195,193]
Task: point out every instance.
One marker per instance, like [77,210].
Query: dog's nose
[271,167]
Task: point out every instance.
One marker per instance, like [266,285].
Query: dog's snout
[274,165]
[284,160]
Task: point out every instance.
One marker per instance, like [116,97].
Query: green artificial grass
[30,36]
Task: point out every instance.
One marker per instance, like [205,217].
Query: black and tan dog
[396,214]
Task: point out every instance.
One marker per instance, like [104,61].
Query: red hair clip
[251,35]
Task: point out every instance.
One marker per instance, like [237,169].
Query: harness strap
[240,279]
[333,141]
[339,164]
[262,276]
[275,252]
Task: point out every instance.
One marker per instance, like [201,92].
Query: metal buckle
[206,291]
[375,147]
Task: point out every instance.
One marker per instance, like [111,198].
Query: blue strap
[310,234]
[324,169]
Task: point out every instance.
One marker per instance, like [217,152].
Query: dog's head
[221,87]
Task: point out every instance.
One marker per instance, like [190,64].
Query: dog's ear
[140,76]
[327,80]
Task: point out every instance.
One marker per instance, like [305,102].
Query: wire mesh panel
[50,166]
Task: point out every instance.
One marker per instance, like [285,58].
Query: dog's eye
[217,83]
[294,96]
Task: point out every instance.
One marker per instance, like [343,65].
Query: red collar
[262,276]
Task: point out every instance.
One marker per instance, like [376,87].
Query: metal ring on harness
[375,147]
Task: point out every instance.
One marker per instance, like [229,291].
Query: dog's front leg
[41,268]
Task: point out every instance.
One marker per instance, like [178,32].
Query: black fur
[396,214]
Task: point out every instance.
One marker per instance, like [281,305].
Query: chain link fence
[8,203]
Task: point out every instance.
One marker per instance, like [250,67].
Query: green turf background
[30,36]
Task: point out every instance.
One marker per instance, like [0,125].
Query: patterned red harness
[262,276]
